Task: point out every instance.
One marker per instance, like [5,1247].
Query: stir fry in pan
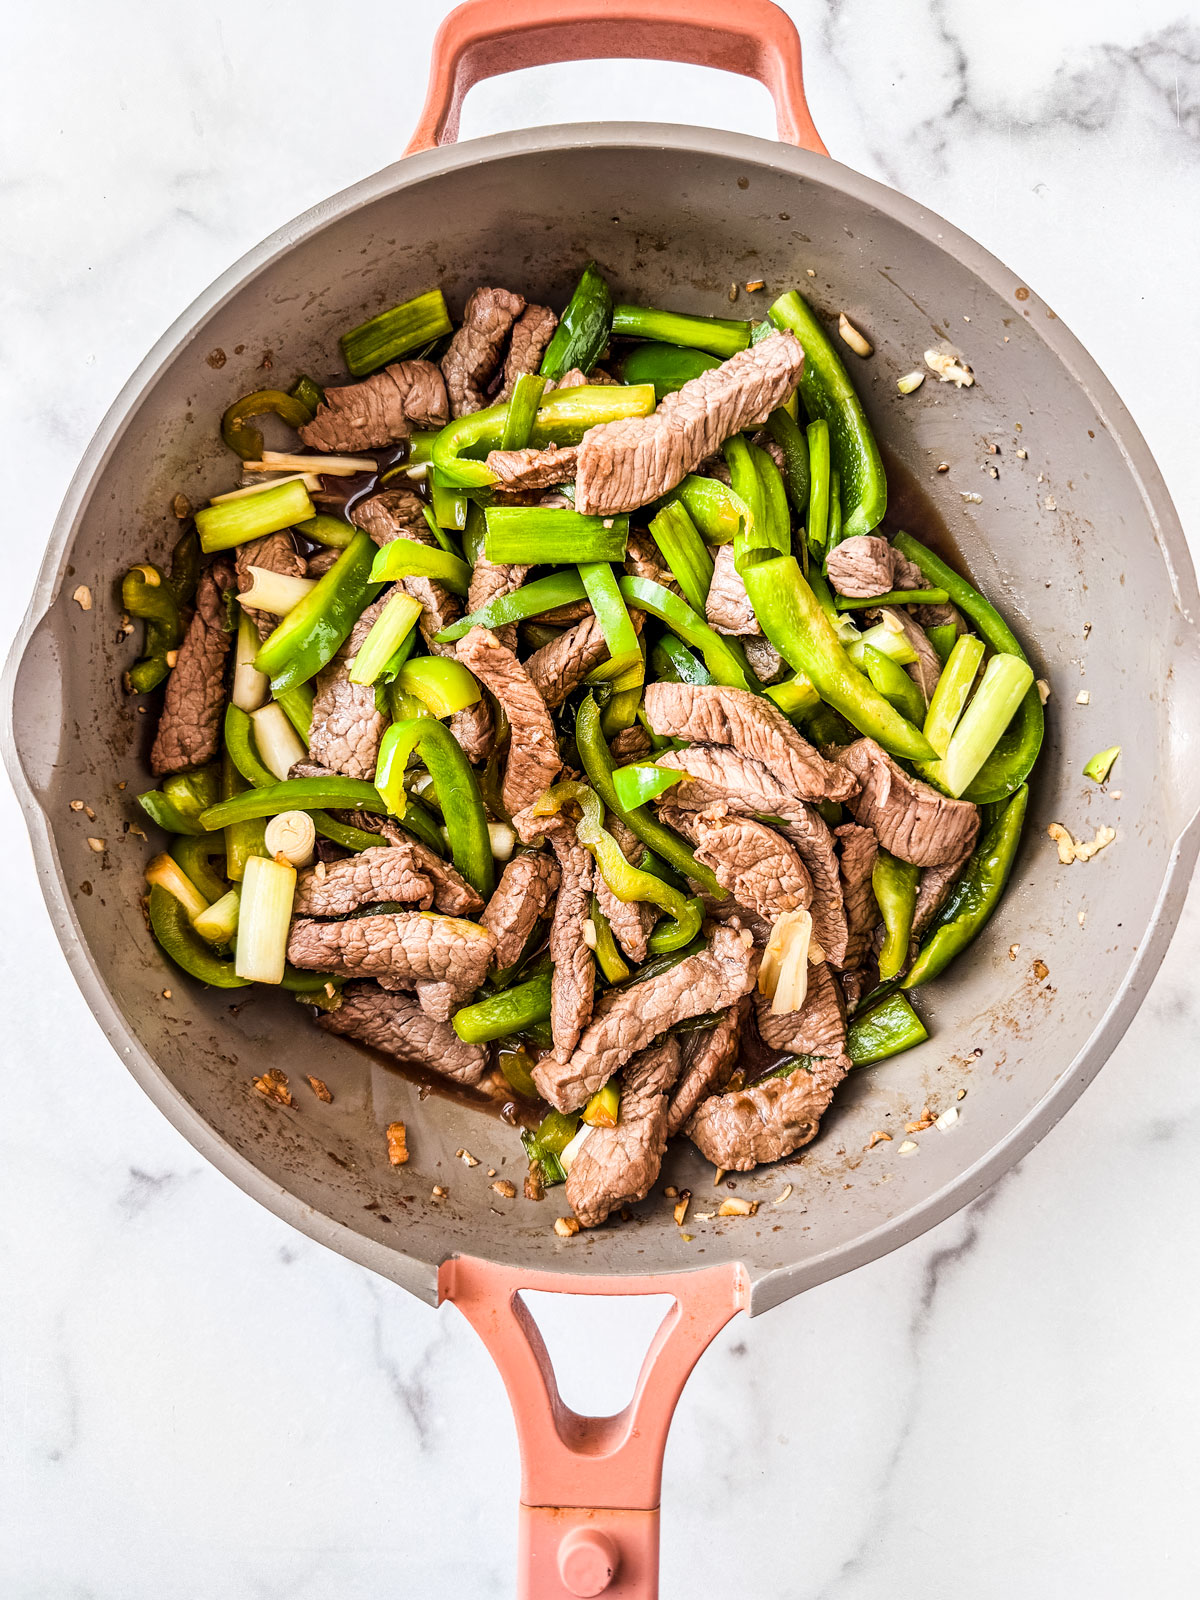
[555,713]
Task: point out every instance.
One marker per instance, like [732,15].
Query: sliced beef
[189,726]
[716,774]
[274,553]
[644,560]
[817,1029]
[867,565]
[934,885]
[759,867]
[626,1019]
[475,350]
[346,725]
[616,1166]
[563,664]
[630,920]
[475,729]
[520,898]
[709,1055]
[727,910]
[400,514]
[405,871]
[380,410]
[728,607]
[533,759]
[856,862]
[533,468]
[532,332]
[319,562]
[765,661]
[767,1121]
[908,818]
[623,465]
[492,580]
[395,1025]
[750,725]
[442,958]
[631,744]
[857,983]
[573,983]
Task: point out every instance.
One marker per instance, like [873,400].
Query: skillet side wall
[1065,542]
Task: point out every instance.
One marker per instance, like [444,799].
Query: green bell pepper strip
[522,410]
[791,617]
[894,597]
[774,500]
[405,558]
[667,366]
[530,600]
[608,956]
[641,781]
[894,885]
[627,882]
[192,792]
[185,567]
[819,487]
[975,895]
[793,441]
[174,932]
[684,551]
[828,394]
[836,530]
[620,635]
[329,531]
[239,742]
[661,964]
[248,442]
[253,516]
[350,838]
[724,658]
[675,662]
[147,595]
[449,507]
[562,418]
[895,646]
[508,1012]
[514,1064]
[1101,764]
[395,333]
[474,533]
[193,853]
[555,1132]
[718,513]
[597,762]
[164,813]
[314,631]
[1011,762]
[442,684]
[796,696]
[748,486]
[895,685]
[457,790]
[1005,682]
[542,535]
[297,706]
[583,329]
[309,393]
[885,1030]
[242,839]
[718,336]
[298,794]
[942,636]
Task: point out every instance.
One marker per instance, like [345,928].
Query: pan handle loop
[485,38]
[590,1486]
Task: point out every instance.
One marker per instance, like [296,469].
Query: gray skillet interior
[1077,543]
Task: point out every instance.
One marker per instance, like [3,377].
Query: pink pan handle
[590,1485]
[485,38]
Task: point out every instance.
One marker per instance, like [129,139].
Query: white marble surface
[195,1401]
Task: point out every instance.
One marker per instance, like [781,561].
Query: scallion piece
[440,683]
[603,1109]
[720,337]
[309,393]
[684,551]
[522,410]
[264,920]
[894,684]
[275,592]
[673,661]
[269,510]
[620,636]
[169,875]
[953,688]
[540,535]
[530,600]
[890,642]
[794,696]
[395,333]
[329,531]
[218,922]
[894,597]
[250,687]
[242,750]
[449,507]
[298,707]
[279,746]
[640,781]
[404,558]
[820,469]
[391,628]
[1101,764]
[1006,680]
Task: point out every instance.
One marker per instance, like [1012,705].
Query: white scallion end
[293,836]
[570,1150]
[503,839]
[264,919]
[279,745]
[908,1147]
[276,592]
[852,336]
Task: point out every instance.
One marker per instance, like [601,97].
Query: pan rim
[770,1287]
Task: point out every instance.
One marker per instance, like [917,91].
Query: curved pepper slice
[314,631]
[248,442]
[894,885]
[723,656]
[583,329]
[296,794]
[884,1030]
[171,927]
[457,791]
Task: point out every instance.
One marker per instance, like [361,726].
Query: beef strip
[380,410]
[644,560]
[575,378]
[631,744]
[522,895]
[708,1059]
[630,920]
[533,759]
[533,468]
[908,818]
[275,552]
[563,664]
[626,1019]
[623,465]
[932,889]
[767,1121]
[717,912]
[319,562]
[728,607]
[760,868]
[400,514]
[573,983]
[395,1025]
[475,350]
[867,565]
[753,727]
[765,661]
[475,730]
[346,725]
[491,580]
[859,982]
[404,871]
[859,847]
[716,774]
[189,725]
[532,332]
[615,1166]
[817,1029]
[442,958]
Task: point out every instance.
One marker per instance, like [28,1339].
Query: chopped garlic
[397,1143]
[737,1208]
[1083,698]
[467,1159]
[1070,849]
[857,341]
[566,1227]
[947,1119]
[910,381]
[1043,689]
[83,597]
[907,1148]
[949,368]
[685,1199]
[783,975]
[784,1194]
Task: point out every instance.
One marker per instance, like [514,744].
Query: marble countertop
[197,1401]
